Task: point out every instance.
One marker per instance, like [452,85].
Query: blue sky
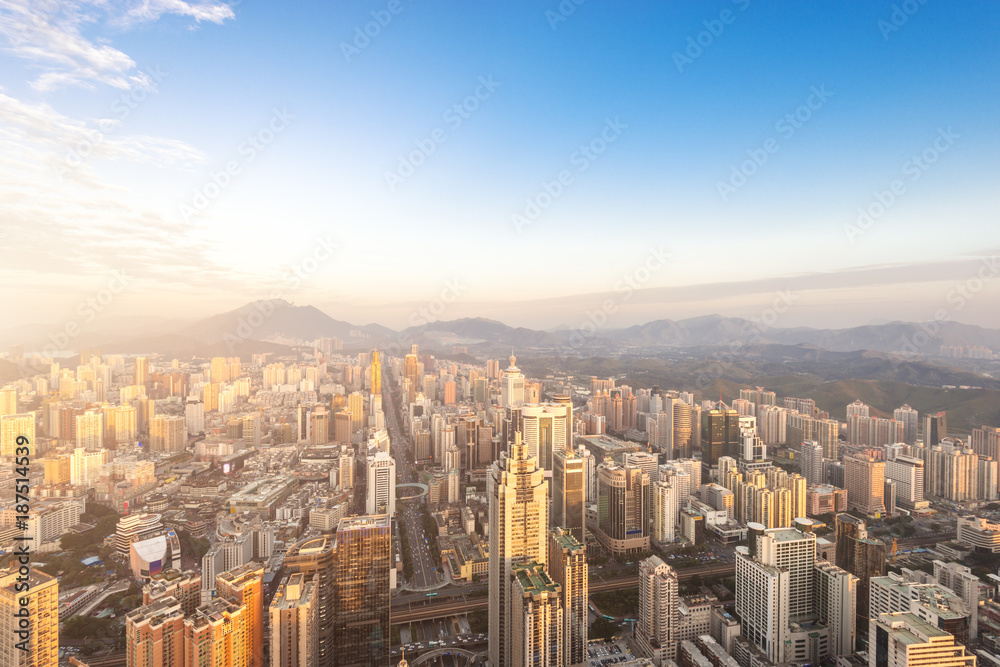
[224,71]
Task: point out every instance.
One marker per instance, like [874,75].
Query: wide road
[409,516]
[439,607]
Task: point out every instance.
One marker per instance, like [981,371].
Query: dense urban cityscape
[333,508]
[567,333]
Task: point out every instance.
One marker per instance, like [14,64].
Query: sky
[522,161]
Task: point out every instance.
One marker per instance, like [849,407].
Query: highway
[409,516]
[445,605]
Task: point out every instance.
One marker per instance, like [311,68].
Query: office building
[935,428]
[569,493]
[720,435]
[862,557]
[512,385]
[518,509]
[908,474]
[381,484]
[904,640]
[543,429]
[622,502]
[812,462]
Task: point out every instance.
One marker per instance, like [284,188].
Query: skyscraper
[536,618]
[381,484]
[512,385]
[154,634]
[656,630]
[142,371]
[543,428]
[375,372]
[720,435]
[518,505]
[568,568]
[568,493]
[361,610]
[622,502]
[316,559]
[903,639]
[862,557]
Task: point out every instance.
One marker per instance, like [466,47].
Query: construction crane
[894,550]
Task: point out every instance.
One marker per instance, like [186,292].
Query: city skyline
[159,140]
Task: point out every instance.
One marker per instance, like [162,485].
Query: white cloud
[49,35]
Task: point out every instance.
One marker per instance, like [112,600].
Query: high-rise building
[356,406]
[791,607]
[865,479]
[243,586]
[8,401]
[294,616]
[543,429]
[910,418]
[375,374]
[154,634]
[569,493]
[217,634]
[15,426]
[986,441]
[34,597]
[862,557]
[812,462]
[665,510]
[935,428]
[720,435]
[908,473]
[657,626]
[622,506]
[512,385]
[536,618]
[167,433]
[568,568]
[904,639]
[381,484]
[518,506]
[316,559]
[141,371]
[90,430]
[361,610]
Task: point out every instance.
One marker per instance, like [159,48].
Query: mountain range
[250,327]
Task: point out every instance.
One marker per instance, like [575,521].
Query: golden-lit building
[42,612]
[294,614]
[242,586]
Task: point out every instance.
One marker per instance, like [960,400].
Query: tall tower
[935,429]
[316,559]
[361,612]
[376,374]
[512,385]
[568,493]
[568,567]
[381,484]
[656,632]
[544,427]
[519,523]
[536,618]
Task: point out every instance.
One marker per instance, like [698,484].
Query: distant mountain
[263,319]
[481,330]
